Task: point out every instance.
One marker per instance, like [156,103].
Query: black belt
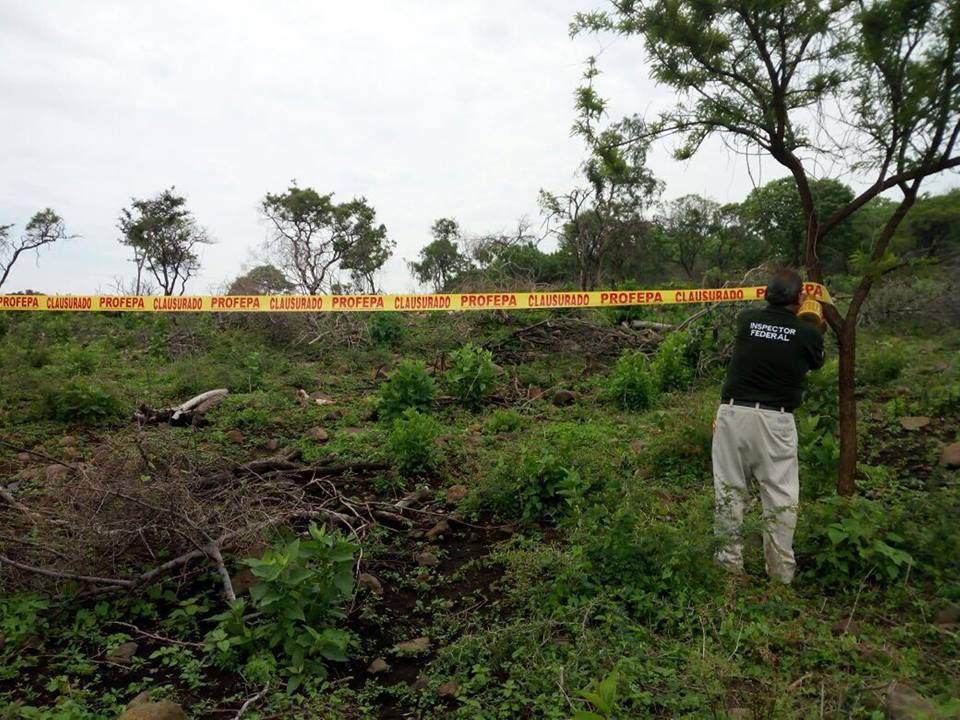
[757,405]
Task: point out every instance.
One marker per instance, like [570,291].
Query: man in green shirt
[754,435]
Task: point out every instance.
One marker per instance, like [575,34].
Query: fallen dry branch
[190,412]
[149,501]
[572,335]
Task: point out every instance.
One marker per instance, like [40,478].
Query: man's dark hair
[784,288]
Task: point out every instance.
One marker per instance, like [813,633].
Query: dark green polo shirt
[772,353]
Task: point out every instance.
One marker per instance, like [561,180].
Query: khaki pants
[750,443]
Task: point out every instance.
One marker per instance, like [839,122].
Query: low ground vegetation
[414,526]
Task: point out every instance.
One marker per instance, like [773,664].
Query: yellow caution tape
[385,303]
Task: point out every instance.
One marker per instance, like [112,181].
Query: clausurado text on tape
[385,303]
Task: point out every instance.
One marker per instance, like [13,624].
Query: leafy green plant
[603,699]
[820,395]
[551,476]
[252,365]
[79,361]
[656,569]
[881,367]
[293,609]
[410,386]
[504,421]
[672,365]
[818,451]
[472,376]
[411,444]
[80,401]
[632,384]
[850,539]
[385,329]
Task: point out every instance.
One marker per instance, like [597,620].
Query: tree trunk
[846,390]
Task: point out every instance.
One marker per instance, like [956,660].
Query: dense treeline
[316,245]
[692,239]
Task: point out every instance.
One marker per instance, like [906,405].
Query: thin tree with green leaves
[867,88]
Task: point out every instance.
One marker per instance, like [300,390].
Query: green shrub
[472,376]
[679,451]
[551,475]
[79,361]
[80,401]
[632,384]
[289,623]
[410,386]
[881,367]
[818,451]
[504,421]
[820,395]
[655,567]
[672,365]
[849,539]
[411,444]
[386,329]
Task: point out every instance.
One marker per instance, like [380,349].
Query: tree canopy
[164,237]
[312,238]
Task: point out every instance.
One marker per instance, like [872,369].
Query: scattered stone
[419,684]
[70,453]
[235,436]
[914,422]
[498,369]
[846,627]
[353,430]
[427,559]
[473,537]
[155,711]
[321,399]
[370,582]
[102,453]
[413,647]
[272,445]
[303,396]
[276,420]
[378,666]
[638,446]
[903,391]
[905,703]
[448,689]
[508,529]
[441,528]
[243,580]
[950,457]
[318,434]
[123,654]
[415,534]
[141,699]
[68,441]
[55,473]
[534,391]
[948,616]
[455,493]
[564,397]
[24,458]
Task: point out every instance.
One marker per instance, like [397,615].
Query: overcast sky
[428,109]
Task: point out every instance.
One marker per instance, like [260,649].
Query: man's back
[773,351]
